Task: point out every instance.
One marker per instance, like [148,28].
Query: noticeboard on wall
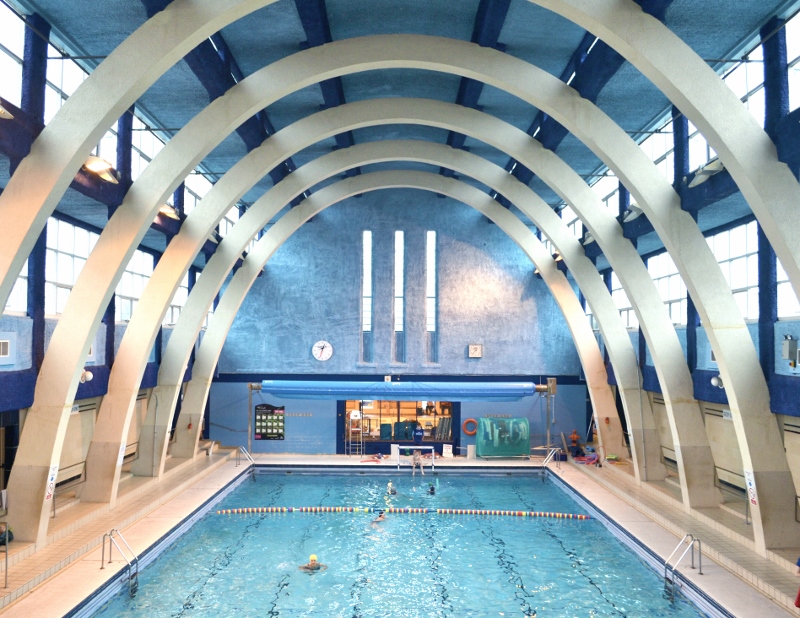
[269,423]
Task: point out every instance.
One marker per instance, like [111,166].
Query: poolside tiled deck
[40,586]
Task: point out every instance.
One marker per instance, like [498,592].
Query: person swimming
[381,517]
[312,565]
[390,489]
[431,490]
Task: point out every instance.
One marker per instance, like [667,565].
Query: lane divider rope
[409,510]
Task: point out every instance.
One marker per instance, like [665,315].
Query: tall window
[68,247]
[366,297]
[572,221]
[736,251]
[430,295]
[607,189]
[131,285]
[228,221]
[793,56]
[659,145]
[788,306]
[746,80]
[624,305]
[670,285]
[399,299]
[18,299]
[177,303]
[12,42]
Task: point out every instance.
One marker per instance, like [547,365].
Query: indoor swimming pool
[411,564]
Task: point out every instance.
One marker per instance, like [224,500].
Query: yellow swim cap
[312,558]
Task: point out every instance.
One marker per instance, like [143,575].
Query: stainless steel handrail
[133,563]
[243,451]
[672,568]
[550,455]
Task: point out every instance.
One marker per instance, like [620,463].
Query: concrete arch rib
[131,358]
[686,79]
[519,78]
[238,287]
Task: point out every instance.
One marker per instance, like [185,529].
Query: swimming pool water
[409,565]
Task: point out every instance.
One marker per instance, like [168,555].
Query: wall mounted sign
[270,422]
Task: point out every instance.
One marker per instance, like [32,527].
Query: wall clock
[322,350]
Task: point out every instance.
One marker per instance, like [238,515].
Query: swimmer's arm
[322,567]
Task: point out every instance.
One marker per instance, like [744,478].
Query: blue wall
[487,294]
[304,434]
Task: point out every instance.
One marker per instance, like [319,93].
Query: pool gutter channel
[89,606]
[686,588]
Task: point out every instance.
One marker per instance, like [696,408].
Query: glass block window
[624,305]
[68,247]
[670,286]
[736,251]
[131,285]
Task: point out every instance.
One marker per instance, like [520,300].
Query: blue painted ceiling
[714,28]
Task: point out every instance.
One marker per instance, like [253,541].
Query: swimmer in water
[312,566]
[431,490]
[381,517]
[390,489]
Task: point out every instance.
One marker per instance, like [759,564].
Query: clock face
[322,350]
[475,350]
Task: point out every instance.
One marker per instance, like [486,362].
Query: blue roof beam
[314,17]
[588,71]
[216,69]
[489,20]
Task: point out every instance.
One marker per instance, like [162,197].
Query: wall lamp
[169,211]
[5,114]
[632,213]
[101,168]
[706,172]
[86,376]
[717,381]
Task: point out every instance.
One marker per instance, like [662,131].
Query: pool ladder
[133,563]
[243,451]
[669,584]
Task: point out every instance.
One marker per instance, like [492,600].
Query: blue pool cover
[399,391]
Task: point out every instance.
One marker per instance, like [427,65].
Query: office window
[788,306]
[366,297]
[624,305]
[399,298]
[670,286]
[131,285]
[177,302]
[430,295]
[68,247]
[736,251]
[12,41]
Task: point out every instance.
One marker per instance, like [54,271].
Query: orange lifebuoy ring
[467,431]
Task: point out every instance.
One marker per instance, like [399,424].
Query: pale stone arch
[747,391]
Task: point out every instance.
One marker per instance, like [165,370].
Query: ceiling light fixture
[632,213]
[169,211]
[707,171]
[102,168]
[5,114]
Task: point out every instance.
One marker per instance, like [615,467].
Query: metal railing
[133,563]
[243,451]
[552,455]
[669,585]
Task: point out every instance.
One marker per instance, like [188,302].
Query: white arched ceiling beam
[235,292]
[184,335]
[131,358]
[729,338]
[692,86]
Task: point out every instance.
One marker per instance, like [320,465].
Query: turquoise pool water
[409,565]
